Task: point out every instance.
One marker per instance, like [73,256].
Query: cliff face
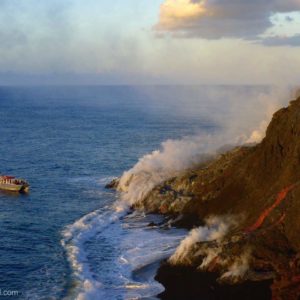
[258,187]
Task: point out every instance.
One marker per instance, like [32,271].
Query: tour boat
[13,184]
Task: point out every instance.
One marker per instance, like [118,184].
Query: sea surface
[65,240]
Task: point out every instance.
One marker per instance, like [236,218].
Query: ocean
[65,240]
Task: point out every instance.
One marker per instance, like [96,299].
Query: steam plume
[215,229]
[239,268]
[178,155]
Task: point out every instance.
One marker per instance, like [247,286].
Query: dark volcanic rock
[184,282]
[261,184]
[112,184]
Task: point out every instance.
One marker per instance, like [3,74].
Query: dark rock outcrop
[184,282]
[112,184]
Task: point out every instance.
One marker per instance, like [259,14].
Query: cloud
[214,19]
[293,41]
[289,19]
[175,13]
[67,40]
[31,24]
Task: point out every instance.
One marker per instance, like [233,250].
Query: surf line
[280,197]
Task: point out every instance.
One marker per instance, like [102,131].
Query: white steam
[258,134]
[243,120]
[215,229]
[239,268]
[279,97]
[152,169]
[209,253]
[209,243]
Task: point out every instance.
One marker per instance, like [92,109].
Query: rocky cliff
[244,206]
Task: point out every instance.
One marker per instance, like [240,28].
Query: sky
[149,42]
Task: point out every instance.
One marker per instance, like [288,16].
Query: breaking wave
[114,254]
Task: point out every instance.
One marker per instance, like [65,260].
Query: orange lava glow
[280,197]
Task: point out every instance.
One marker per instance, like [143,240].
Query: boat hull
[13,187]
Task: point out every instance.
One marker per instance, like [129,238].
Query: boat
[13,184]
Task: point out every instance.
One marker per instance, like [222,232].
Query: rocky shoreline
[244,206]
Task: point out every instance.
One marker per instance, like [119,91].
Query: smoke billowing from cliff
[214,230]
[246,124]
[239,267]
[209,243]
[154,168]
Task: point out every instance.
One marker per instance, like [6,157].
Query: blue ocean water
[68,142]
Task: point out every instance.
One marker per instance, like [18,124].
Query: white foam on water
[141,248]
[105,180]
[133,245]
[74,238]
